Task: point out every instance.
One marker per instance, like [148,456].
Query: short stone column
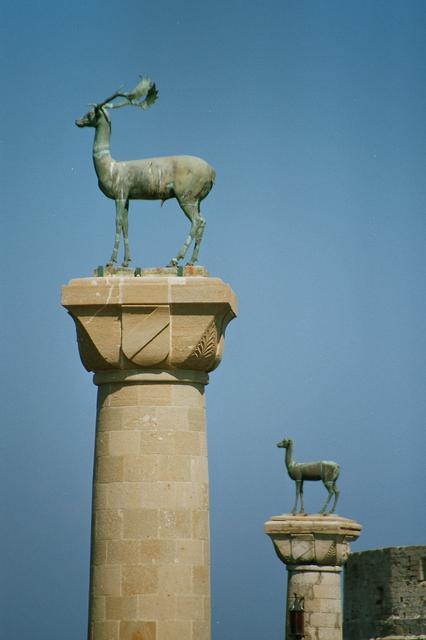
[314,549]
[151,342]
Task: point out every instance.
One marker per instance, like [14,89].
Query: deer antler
[145,91]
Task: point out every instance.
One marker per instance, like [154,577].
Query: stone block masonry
[151,342]
[385,594]
[150,513]
[314,549]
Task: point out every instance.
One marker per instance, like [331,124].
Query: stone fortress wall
[385,594]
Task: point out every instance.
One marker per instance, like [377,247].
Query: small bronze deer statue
[187,178]
[324,470]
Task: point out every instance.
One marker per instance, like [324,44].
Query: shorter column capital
[321,540]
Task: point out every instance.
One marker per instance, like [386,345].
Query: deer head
[284,444]
[91,119]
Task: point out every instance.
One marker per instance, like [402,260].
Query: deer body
[324,470]
[155,178]
[187,178]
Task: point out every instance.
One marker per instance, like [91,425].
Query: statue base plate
[185,271]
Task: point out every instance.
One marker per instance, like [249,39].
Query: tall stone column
[151,342]
[314,549]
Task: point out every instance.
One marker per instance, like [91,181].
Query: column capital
[321,540]
[132,324]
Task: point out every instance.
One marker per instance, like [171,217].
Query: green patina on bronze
[324,470]
[187,178]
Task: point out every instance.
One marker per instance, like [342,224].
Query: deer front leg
[302,507]
[298,483]
[119,208]
[125,221]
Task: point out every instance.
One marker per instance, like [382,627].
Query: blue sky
[312,114]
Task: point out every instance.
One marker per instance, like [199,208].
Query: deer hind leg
[119,214]
[330,488]
[125,229]
[336,497]
[191,212]
[199,232]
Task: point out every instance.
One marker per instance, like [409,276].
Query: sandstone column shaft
[150,541]
[151,342]
[320,588]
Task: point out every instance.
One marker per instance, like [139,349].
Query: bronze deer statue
[187,178]
[324,470]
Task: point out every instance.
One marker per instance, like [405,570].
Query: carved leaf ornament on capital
[151,336]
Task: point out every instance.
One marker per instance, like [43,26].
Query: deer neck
[289,462]
[101,152]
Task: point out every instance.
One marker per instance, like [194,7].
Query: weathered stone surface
[385,594]
[151,511]
[150,342]
[314,548]
[313,539]
[127,323]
